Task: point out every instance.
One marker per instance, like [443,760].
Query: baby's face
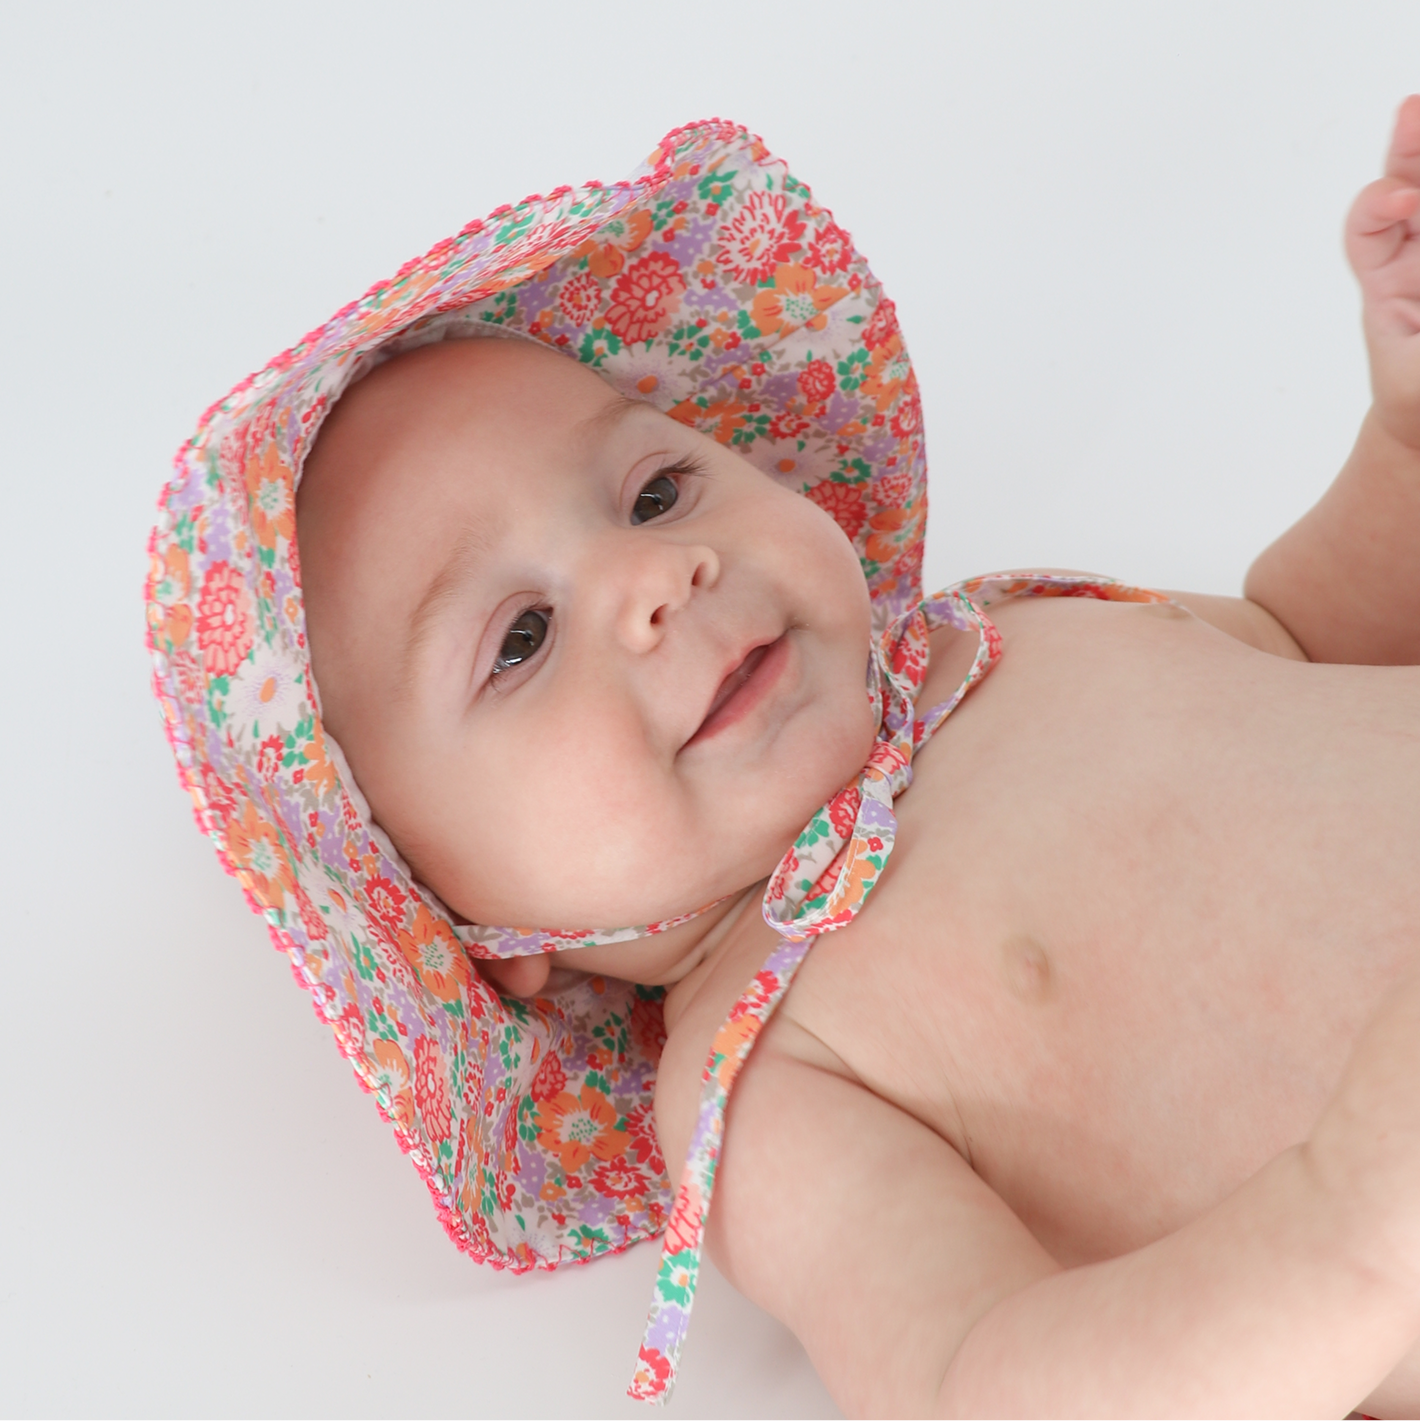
[590,668]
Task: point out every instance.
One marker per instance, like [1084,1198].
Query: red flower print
[645,1145]
[830,250]
[268,756]
[429,1092]
[504,1190]
[763,233]
[816,382]
[618,1180]
[882,324]
[843,503]
[510,1130]
[581,295]
[683,1226]
[907,421]
[648,1026]
[645,297]
[311,919]
[550,1079]
[224,626]
[843,810]
[220,796]
[385,905]
[653,1373]
[891,490]
[787,425]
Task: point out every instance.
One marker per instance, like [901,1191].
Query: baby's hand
[1383,246]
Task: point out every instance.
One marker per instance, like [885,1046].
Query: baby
[1106,1103]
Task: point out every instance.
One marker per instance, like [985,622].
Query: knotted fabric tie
[822,883]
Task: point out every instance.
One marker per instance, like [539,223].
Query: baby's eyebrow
[610,415]
[473,543]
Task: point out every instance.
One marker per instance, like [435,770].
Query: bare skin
[1107,1104]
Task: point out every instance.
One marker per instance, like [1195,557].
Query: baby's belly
[1148,886]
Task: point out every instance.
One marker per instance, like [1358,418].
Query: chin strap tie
[821,884]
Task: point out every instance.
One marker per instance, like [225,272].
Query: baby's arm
[1345,580]
[917,1292]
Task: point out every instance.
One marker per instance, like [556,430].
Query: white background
[1112,233]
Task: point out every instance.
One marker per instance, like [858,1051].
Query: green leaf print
[715,186]
[596,346]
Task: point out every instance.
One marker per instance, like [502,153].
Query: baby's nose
[655,582]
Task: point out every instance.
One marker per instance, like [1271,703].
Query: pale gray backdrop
[1112,232]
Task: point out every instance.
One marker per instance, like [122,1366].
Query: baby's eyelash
[689,466]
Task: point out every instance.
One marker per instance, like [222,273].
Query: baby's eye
[658,497]
[522,641]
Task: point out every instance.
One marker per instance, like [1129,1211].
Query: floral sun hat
[712,285]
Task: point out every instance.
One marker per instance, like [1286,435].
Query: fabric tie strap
[821,884]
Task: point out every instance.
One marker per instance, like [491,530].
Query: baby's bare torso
[1149,884]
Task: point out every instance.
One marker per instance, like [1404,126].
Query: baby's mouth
[743,689]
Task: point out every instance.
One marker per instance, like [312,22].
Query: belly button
[1026,968]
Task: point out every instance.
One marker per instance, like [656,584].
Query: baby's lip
[742,687]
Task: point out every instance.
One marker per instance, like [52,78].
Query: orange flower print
[889,527]
[605,253]
[271,493]
[763,233]
[816,381]
[256,853]
[579,1128]
[645,298]
[830,251]
[434,952]
[224,625]
[430,1094]
[843,503]
[726,1045]
[719,420]
[319,768]
[796,299]
[887,372]
[580,298]
[391,1075]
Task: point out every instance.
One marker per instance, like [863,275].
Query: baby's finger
[1403,160]
[1379,222]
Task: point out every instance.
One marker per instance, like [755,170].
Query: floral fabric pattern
[712,284]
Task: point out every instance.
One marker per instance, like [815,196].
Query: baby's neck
[710,945]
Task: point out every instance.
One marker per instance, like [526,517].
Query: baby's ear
[517,976]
